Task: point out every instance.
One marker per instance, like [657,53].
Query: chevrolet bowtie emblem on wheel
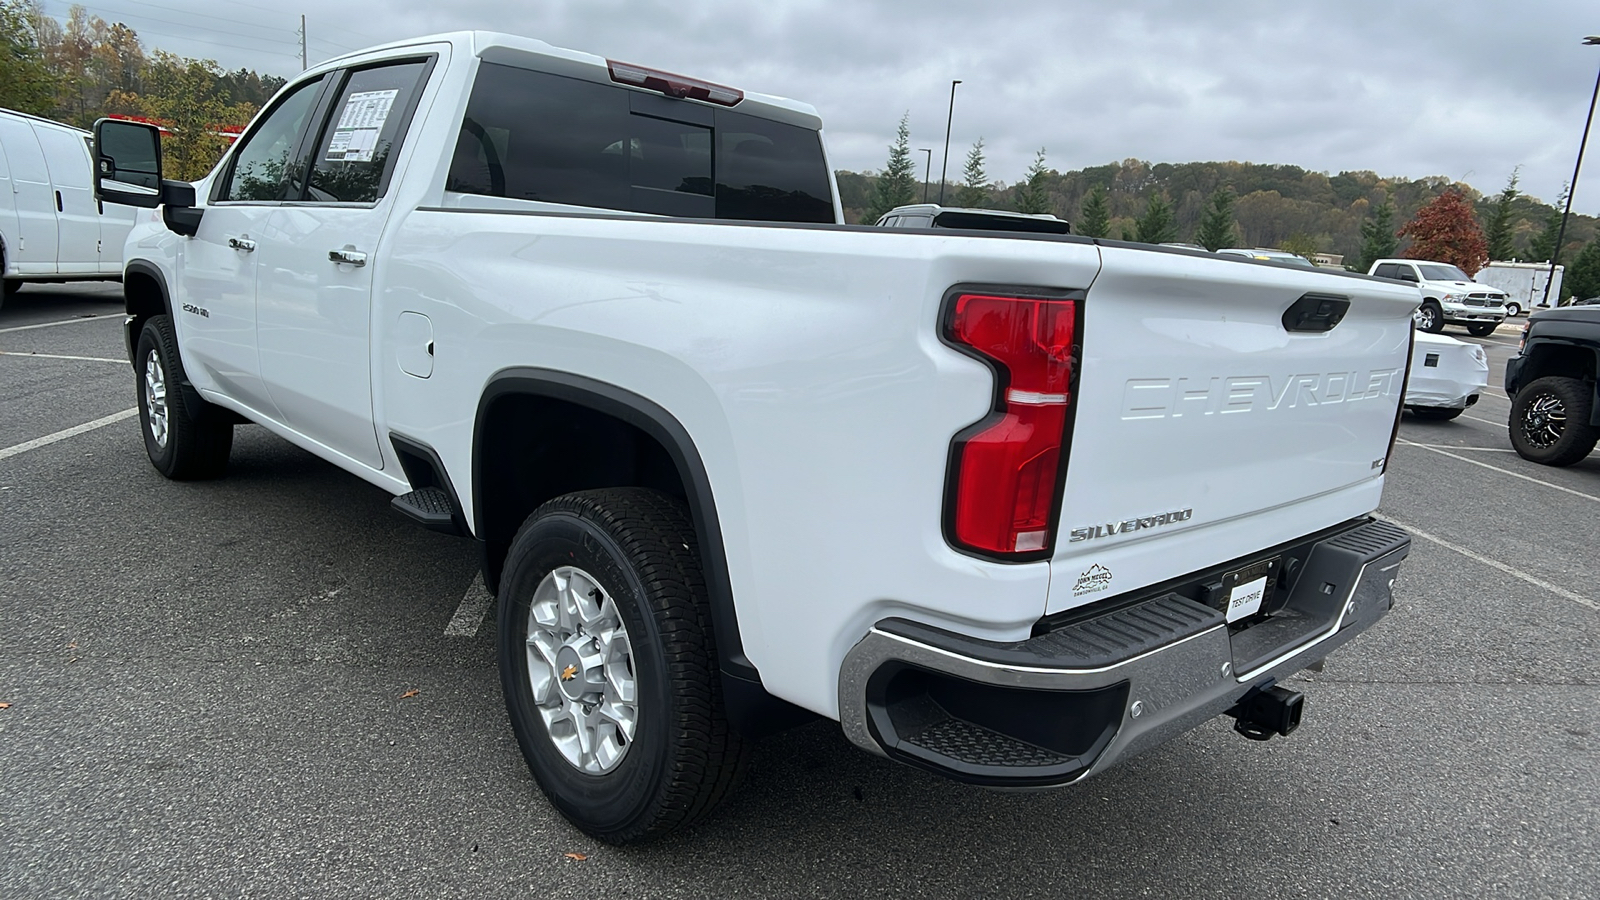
[568,672]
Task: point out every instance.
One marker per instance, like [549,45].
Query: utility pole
[944,170]
[303,65]
[927,171]
[1572,188]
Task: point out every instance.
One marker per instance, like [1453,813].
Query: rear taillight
[1005,470]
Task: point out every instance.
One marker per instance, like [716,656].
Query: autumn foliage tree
[1447,230]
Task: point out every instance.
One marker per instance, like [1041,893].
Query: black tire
[1483,330]
[683,758]
[1429,317]
[1550,421]
[1513,309]
[1435,413]
[188,449]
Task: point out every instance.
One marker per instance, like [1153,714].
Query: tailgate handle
[1315,313]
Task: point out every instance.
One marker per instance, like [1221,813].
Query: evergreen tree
[1031,194]
[1156,226]
[1543,248]
[1095,219]
[1582,278]
[1498,230]
[1378,238]
[974,191]
[1216,229]
[897,186]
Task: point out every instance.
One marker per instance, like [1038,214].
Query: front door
[314,296]
[217,289]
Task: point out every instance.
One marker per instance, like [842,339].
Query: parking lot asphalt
[246,688]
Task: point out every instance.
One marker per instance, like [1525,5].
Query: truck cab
[1449,295]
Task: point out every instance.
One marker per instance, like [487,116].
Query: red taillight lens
[1006,473]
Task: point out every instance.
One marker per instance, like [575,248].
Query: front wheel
[179,446]
[1483,330]
[1513,309]
[1550,421]
[609,666]
[1429,317]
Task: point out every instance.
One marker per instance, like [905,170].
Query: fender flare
[665,428]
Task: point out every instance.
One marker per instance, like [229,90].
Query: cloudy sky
[1467,89]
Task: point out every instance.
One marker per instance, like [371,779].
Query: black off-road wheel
[1435,413]
[1484,330]
[180,446]
[1550,421]
[609,666]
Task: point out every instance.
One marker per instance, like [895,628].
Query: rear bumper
[1068,703]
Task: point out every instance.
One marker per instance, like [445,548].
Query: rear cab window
[530,135]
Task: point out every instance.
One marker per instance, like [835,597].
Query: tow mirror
[127,163]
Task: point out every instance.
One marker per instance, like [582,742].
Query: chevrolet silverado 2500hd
[1009,507]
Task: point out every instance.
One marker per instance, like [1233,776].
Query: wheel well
[534,448]
[142,295]
[1564,360]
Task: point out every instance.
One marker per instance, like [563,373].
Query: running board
[431,508]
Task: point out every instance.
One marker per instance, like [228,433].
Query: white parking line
[122,362]
[1485,465]
[1484,421]
[62,322]
[1497,564]
[62,435]
[1453,447]
[469,613]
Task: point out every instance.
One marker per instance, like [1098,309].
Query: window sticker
[355,138]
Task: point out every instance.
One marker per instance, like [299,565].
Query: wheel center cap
[569,673]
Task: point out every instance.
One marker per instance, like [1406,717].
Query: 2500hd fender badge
[1091,532]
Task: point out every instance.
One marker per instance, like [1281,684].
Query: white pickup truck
[1449,295]
[1008,507]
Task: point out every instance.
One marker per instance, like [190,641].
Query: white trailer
[1523,283]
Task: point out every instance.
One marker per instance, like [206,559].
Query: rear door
[1206,428]
[314,294]
[66,157]
[34,250]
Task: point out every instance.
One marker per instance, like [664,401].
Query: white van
[51,227]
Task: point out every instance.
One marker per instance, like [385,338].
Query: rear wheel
[1435,413]
[609,667]
[1486,328]
[1550,421]
[179,446]
[1429,317]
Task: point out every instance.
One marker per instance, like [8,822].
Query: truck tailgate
[1206,430]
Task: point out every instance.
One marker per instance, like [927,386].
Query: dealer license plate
[1247,588]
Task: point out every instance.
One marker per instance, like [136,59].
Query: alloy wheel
[155,398]
[1544,420]
[580,667]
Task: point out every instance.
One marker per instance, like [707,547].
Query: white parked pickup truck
[1449,295]
[1008,507]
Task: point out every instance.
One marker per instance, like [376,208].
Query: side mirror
[127,163]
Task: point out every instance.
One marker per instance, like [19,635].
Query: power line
[240,34]
[205,15]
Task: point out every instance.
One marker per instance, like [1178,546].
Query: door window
[355,154]
[262,163]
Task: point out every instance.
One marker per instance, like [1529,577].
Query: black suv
[1555,407]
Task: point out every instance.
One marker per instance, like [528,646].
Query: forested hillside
[85,68]
[1273,204]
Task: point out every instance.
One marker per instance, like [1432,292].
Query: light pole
[1592,40]
[944,170]
[927,170]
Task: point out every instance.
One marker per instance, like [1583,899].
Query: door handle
[59,206]
[243,243]
[348,255]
